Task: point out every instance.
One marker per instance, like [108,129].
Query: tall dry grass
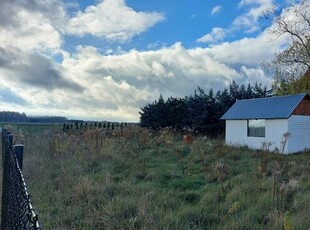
[139,179]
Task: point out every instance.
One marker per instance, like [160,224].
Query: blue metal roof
[264,108]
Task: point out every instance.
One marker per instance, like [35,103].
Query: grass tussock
[137,179]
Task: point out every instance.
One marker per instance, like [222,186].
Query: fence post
[10,136]
[19,151]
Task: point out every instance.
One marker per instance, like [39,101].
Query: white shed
[283,121]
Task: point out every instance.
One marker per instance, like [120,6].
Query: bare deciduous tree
[291,63]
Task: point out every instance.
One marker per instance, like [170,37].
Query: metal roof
[264,108]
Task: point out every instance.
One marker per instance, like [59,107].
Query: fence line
[17,212]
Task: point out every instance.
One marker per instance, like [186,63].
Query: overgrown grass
[30,127]
[135,179]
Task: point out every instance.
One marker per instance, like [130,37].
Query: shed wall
[304,107]
[299,128]
[236,131]
[236,134]
[275,129]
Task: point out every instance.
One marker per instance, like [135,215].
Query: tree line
[9,116]
[200,112]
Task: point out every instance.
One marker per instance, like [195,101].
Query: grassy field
[32,128]
[136,179]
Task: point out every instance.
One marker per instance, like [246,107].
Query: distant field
[136,179]
[33,128]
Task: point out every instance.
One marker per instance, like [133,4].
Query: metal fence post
[10,136]
[19,151]
[16,209]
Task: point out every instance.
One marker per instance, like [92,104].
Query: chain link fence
[17,212]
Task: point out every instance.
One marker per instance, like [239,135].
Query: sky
[105,59]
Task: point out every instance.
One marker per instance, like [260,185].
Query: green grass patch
[130,180]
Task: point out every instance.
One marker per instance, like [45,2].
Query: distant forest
[200,112]
[8,116]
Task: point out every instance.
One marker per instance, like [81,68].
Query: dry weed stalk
[139,139]
[219,168]
[276,187]
[293,184]
[288,188]
[265,156]
[20,137]
[94,138]
[282,189]
[55,142]
[10,128]
[182,161]
[284,140]
[166,135]
[289,168]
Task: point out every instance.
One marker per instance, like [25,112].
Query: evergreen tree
[242,92]
[260,91]
[175,112]
[76,125]
[249,92]
[64,127]
[234,91]
[200,111]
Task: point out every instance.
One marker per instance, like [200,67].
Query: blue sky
[187,20]
[104,59]
[183,21]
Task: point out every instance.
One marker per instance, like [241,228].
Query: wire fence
[17,212]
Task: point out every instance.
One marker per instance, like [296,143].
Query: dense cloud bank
[40,75]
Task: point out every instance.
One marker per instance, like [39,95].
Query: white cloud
[28,37]
[217,34]
[28,40]
[256,74]
[173,69]
[35,33]
[216,10]
[250,19]
[247,51]
[112,20]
